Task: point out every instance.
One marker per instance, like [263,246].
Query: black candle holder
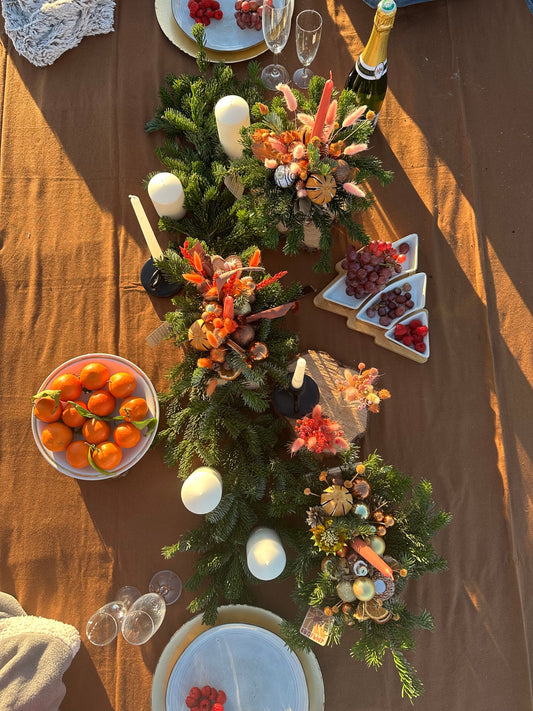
[155,283]
[297,402]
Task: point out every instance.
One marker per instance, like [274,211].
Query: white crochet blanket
[42,31]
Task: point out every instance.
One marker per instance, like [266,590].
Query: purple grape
[385,321]
[370,313]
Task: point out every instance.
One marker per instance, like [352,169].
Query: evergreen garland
[233,427]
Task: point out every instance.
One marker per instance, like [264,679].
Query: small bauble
[361,510]
[283,176]
[377,544]
[258,351]
[385,587]
[336,500]
[360,568]
[342,172]
[345,591]
[363,589]
[361,488]
[321,189]
[243,335]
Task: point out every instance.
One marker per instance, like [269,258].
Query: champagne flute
[308,32]
[277,16]
[144,618]
[147,613]
[103,626]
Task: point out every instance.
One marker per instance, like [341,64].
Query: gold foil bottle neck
[384,19]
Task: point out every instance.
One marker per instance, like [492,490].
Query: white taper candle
[149,236]
[298,375]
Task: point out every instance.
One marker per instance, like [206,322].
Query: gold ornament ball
[363,589]
[377,544]
[345,591]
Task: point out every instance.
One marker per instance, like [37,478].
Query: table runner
[73,147]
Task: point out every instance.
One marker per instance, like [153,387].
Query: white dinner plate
[249,625]
[250,664]
[222,35]
[144,389]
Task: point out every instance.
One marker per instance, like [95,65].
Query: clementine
[107,455]
[69,385]
[46,410]
[77,454]
[71,416]
[95,431]
[121,385]
[101,403]
[134,409]
[94,376]
[56,436]
[126,435]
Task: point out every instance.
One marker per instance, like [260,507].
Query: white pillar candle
[231,114]
[265,555]
[202,490]
[298,375]
[166,192]
[149,236]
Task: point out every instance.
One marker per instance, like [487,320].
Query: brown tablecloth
[456,129]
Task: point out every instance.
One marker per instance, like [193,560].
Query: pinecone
[315,516]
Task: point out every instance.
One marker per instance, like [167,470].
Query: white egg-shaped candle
[265,555]
[202,490]
[166,193]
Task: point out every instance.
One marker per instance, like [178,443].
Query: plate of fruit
[412,333]
[392,304]
[229,25]
[371,268]
[95,416]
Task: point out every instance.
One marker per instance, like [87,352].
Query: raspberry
[190,702]
[422,330]
[206,690]
[193,6]
[217,707]
[215,5]
[204,705]
[415,323]
[195,708]
[221,697]
[420,347]
[218,14]
[245,7]
[407,341]
[213,694]
[209,13]
[401,330]
[195,692]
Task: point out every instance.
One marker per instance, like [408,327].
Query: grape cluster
[370,268]
[393,304]
[248,14]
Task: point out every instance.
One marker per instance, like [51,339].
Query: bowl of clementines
[95,416]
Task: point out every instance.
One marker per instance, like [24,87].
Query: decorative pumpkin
[336,500]
[321,189]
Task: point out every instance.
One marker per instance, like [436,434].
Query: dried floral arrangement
[306,161]
[369,534]
[359,389]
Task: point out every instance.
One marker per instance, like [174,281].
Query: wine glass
[277,16]
[308,32]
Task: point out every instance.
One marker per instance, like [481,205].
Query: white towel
[43,31]
[35,652]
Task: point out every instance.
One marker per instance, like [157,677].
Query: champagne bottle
[368,78]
